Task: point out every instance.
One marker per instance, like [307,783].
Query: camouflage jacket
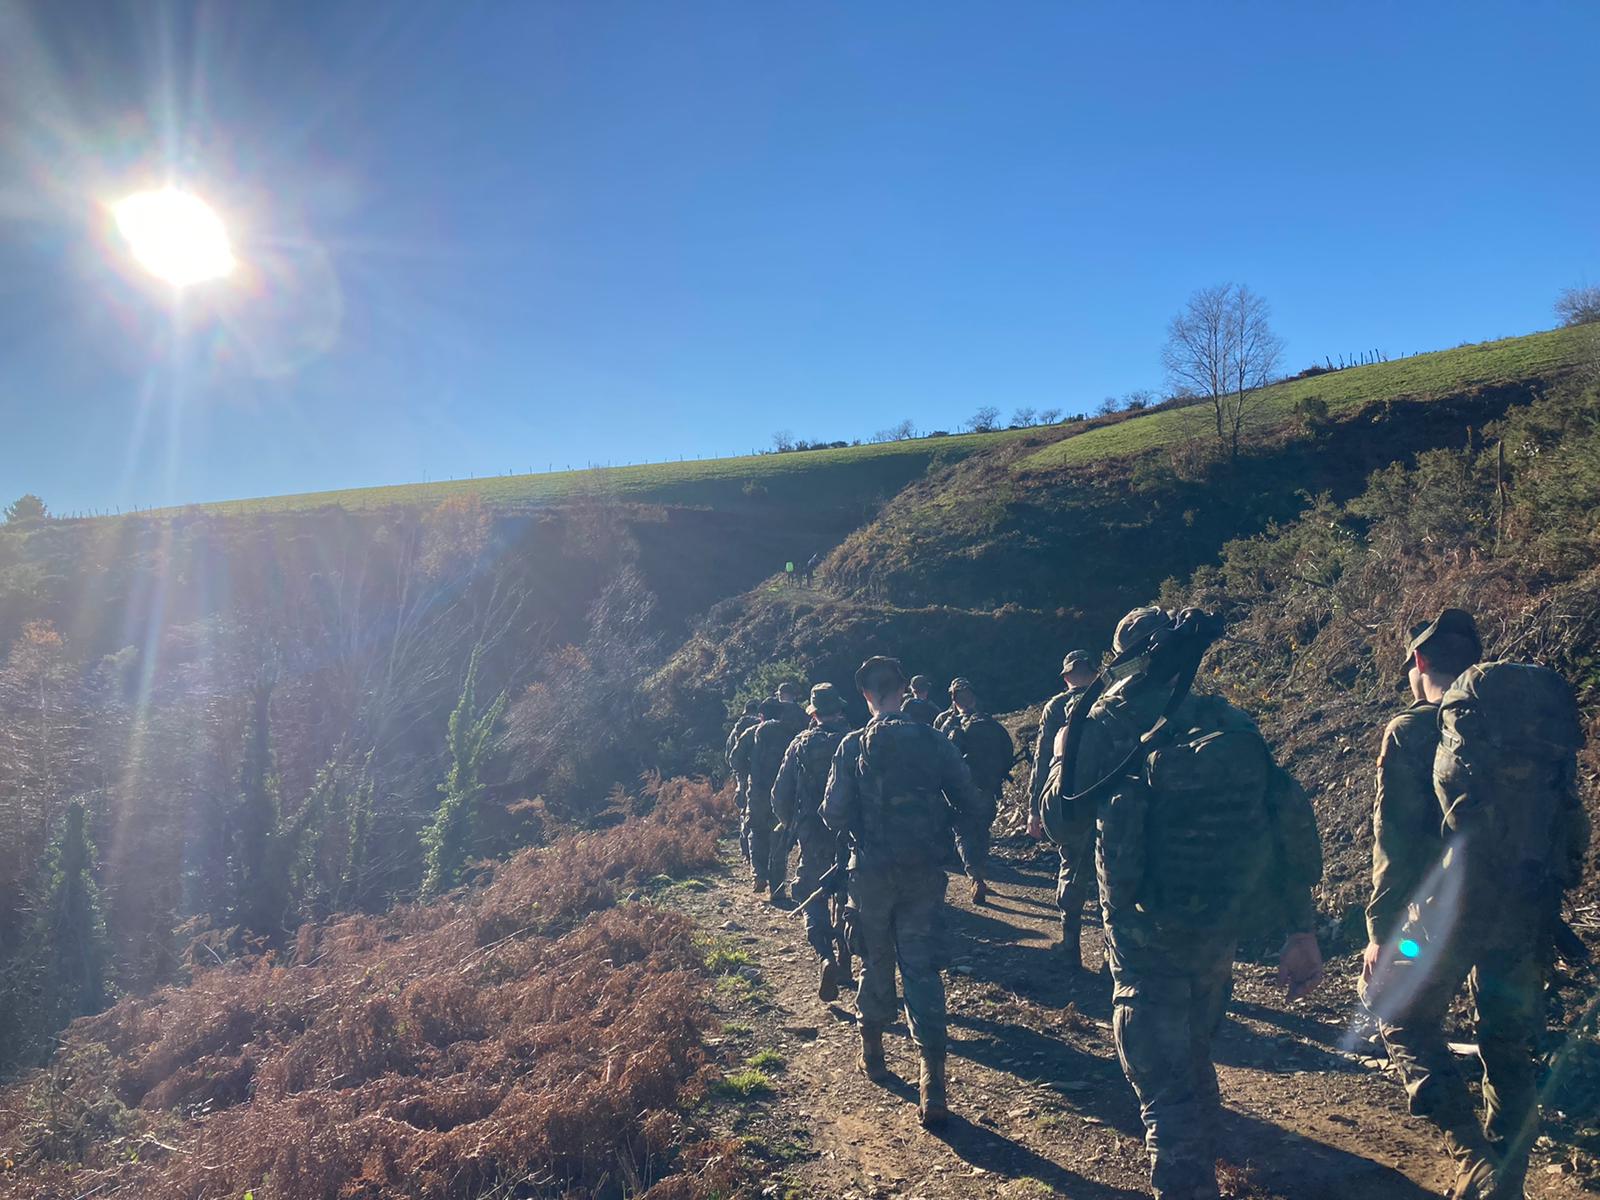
[946,719]
[739,726]
[918,709]
[895,789]
[803,776]
[1405,819]
[759,753]
[1203,822]
[987,748]
[1051,722]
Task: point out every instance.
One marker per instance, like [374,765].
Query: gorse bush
[530,1031]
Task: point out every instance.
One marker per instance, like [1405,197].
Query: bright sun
[175,235]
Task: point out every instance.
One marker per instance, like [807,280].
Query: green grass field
[865,474]
[831,477]
[1421,377]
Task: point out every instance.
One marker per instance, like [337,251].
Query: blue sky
[501,236]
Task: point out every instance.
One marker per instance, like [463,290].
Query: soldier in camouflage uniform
[894,790]
[757,755]
[1197,820]
[989,753]
[796,802]
[1477,905]
[748,719]
[918,706]
[1075,877]
[794,712]
[952,714]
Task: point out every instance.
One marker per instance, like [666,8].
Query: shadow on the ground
[1307,1169]
[980,1146]
[1085,1083]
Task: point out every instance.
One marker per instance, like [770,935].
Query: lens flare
[175,235]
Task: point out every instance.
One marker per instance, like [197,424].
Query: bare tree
[1107,406]
[783,441]
[985,420]
[1024,417]
[1221,346]
[1050,416]
[1579,305]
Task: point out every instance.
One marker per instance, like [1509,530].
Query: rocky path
[1040,1106]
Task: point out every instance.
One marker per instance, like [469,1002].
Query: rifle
[831,887]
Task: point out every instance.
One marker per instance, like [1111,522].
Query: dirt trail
[1040,1105]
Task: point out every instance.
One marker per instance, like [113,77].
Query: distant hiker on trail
[1192,822]
[895,789]
[1075,877]
[990,755]
[749,719]
[758,754]
[812,564]
[1482,906]
[796,803]
[918,706]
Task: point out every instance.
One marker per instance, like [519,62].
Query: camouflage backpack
[905,818]
[1206,827]
[815,747]
[1505,775]
[988,749]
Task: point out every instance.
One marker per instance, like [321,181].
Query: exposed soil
[1040,1105]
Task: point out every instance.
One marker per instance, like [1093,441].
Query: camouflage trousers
[1167,1005]
[742,802]
[1505,982]
[974,835]
[819,850]
[758,822]
[897,919]
[1075,880]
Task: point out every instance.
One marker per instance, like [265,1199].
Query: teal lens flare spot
[1409,948]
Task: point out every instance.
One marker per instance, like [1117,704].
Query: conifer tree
[448,840]
[71,935]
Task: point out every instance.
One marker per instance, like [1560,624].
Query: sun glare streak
[175,235]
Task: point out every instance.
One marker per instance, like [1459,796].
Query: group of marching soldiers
[1170,801]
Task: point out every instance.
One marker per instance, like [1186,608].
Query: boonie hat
[1136,629]
[961,684]
[825,700]
[1076,658]
[878,663]
[1456,621]
[921,683]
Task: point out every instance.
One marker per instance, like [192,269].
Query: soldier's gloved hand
[1035,827]
[1299,965]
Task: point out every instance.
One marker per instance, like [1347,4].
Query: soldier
[794,713]
[894,790]
[952,714]
[990,754]
[758,754]
[1191,822]
[750,717]
[1483,910]
[1075,877]
[918,706]
[796,802]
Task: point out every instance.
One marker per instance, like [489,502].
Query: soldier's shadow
[1308,1169]
[999,1155]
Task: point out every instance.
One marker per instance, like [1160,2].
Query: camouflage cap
[961,684]
[921,683]
[1456,622]
[1135,630]
[825,700]
[1075,659]
[887,671]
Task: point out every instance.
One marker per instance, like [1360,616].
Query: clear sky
[481,237]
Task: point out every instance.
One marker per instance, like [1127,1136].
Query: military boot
[1070,947]
[828,986]
[1475,1168]
[980,890]
[932,1109]
[872,1061]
